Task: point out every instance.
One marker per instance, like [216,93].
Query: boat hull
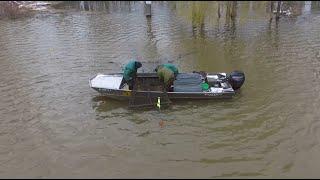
[108,86]
[127,94]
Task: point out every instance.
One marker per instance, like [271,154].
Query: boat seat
[188,82]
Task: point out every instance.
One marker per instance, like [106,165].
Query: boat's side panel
[126,94]
[201,95]
[115,93]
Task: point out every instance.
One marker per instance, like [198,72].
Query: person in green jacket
[167,74]
[169,66]
[130,72]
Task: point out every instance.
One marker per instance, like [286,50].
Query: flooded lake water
[53,125]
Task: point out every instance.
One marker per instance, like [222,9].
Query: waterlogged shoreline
[17,9]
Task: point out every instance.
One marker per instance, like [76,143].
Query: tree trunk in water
[278,11]
[193,15]
[233,12]
[271,11]
[219,13]
[228,4]
[147,8]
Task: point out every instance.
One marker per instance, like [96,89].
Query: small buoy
[161,123]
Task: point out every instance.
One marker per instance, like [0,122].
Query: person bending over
[130,72]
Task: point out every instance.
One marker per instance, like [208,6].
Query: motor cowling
[236,79]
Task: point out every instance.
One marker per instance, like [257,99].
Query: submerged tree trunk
[278,11]
[233,12]
[228,10]
[219,9]
[193,11]
[271,11]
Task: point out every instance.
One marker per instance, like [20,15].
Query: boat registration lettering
[108,91]
[212,94]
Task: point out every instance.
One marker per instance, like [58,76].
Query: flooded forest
[53,125]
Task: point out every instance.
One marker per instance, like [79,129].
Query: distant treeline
[12,9]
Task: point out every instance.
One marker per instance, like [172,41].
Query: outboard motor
[236,79]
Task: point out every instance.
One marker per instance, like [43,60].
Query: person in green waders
[167,74]
[130,72]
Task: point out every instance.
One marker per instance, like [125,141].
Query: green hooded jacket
[130,70]
[171,67]
[165,74]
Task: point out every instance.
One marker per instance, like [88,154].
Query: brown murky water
[53,125]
